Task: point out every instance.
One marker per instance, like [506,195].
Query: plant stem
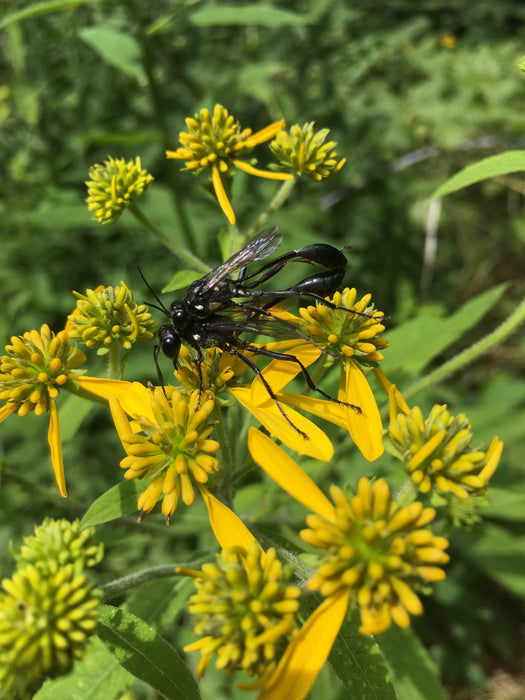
[180,252]
[116,588]
[490,341]
[277,202]
[226,457]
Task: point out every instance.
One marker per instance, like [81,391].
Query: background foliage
[411,92]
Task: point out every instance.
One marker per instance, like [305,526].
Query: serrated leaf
[501,164]
[116,48]
[143,652]
[254,14]
[357,660]
[42,8]
[417,341]
[119,500]
[97,676]
[181,279]
[414,674]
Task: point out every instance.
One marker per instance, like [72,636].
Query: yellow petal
[316,444]
[228,529]
[220,193]
[120,419]
[268,174]
[285,472]
[265,134]
[135,399]
[365,427]
[6,410]
[102,387]
[55,445]
[306,654]
[279,373]
[329,410]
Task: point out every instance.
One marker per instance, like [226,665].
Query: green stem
[226,457]
[114,362]
[490,341]
[277,202]
[180,252]
[116,588]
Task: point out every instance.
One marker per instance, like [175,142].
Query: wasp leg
[233,351]
[308,379]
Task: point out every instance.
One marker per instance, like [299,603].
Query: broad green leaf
[71,413]
[97,676]
[414,674]
[160,600]
[416,342]
[119,500]
[116,48]
[181,279]
[146,654]
[255,13]
[502,164]
[42,8]
[498,552]
[356,659]
[506,504]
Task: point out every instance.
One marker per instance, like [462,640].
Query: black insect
[217,309]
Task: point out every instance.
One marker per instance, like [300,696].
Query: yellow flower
[437,452]
[307,153]
[353,334]
[376,554]
[221,372]
[449,40]
[108,315]
[168,441]
[115,185]
[216,142]
[38,365]
[244,611]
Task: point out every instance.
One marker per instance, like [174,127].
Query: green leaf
[146,654]
[498,552]
[502,164]
[506,504]
[356,659]
[97,676]
[181,279]
[119,500]
[416,342]
[116,48]
[42,8]
[71,413]
[256,13]
[414,674]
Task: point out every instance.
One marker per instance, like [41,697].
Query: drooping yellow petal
[364,427]
[279,373]
[285,472]
[122,424]
[268,174]
[316,444]
[229,530]
[6,410]
[308,651]
[220,193]
[55,445]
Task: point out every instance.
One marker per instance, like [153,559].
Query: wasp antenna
[161,306]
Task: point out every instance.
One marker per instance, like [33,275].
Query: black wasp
[217,309]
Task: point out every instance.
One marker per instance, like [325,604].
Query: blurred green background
[411,91]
